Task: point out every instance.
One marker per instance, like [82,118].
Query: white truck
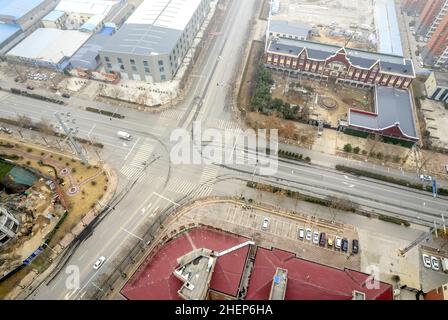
[124,135]
[444,264]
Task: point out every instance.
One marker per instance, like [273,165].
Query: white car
[308,234]
[301,233]
[99,262]
[425,177]
[265,223]
[338,242]
[426,261]
[316,237]
[435,264]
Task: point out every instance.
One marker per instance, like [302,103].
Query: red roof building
[306,280]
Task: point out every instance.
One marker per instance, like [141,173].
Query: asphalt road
[163,183]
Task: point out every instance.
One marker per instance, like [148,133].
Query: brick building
[343,65]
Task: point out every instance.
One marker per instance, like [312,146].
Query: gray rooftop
[392,106]
[143,39]
[360,58]
[282,26]
[86,56]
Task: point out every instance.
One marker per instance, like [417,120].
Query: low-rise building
[288,30]
[18,18]
[8,226]
[152,43]
[94,24]
[55,19]
[437,86]
[392,117]
[80,11]
[343,65]
[48,47]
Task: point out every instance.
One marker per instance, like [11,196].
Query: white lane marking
[130,151]
[132,234]
[160,196]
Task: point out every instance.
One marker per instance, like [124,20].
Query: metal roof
[53,15]
[92,7]
[360,58]
[392,106]
[7,31]
[154,27]
[86,56]
[16,9]
[142,40]
[172,14]
[40,45]
[92,23]
[388,32]
[282,26]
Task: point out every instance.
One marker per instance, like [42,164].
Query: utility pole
[74,144]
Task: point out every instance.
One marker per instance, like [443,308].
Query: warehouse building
[48,47]
[55,19]
[18,18]
[151,44]
[288,30]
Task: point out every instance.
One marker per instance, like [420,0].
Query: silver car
[99,262]
[316,237]
[308,234]
[435,264]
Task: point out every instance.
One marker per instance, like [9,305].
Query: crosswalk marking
[143,154]
[129,171]
[174,114]
[225,125]
[179,185]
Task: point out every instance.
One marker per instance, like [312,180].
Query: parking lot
[282,231]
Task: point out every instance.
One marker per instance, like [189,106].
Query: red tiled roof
[308,280]
[155,281]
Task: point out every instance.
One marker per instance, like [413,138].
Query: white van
[124,135]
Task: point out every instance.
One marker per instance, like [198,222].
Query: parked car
[265,224]
[435,264]
[99,262]
[344,245]
[329,242]
[426,260]
[425,177]
[316,237]
[66,95]
[338,242]
[6,130]
[322,239]
[355,246]
[308,234]
[30,87]
[301,233]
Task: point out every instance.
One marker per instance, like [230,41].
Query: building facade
[437,86]
[325,62]
[152,43]
[413,7]
[432,14]
[8,226]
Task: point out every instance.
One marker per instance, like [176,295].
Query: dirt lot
[436,117]
[306,92]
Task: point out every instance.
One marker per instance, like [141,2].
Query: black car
[30,87]
[355,246]
[344,245]
[66,95]
[322,239]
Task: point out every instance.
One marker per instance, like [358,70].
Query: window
[160,62]
[163,77]
[109,65]
[132,61]
[134,68]
[107,59]
[145,63]
[121,67]
[162,69]
[146,69]
[119,60]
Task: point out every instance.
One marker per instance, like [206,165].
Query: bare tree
[44,126]
[24,121]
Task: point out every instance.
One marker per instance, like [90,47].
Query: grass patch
[4,168]
[394,220]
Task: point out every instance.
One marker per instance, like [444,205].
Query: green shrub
[356,150]
[348,147]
